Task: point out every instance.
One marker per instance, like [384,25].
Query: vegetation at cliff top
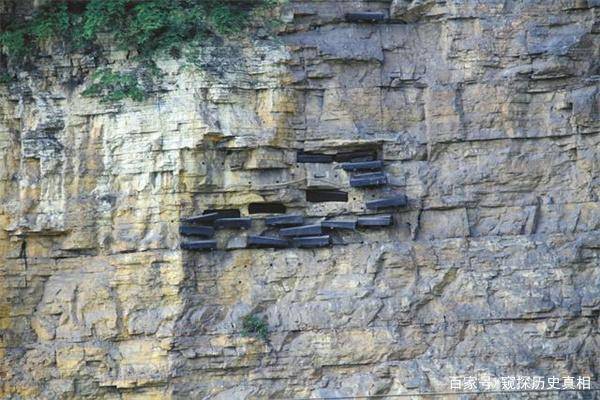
[149,27]
[254,326]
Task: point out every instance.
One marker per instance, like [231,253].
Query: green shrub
[102,15]
[52,22]
[5,79]
[254,326]
[14,43]
[227,20]
[113,86]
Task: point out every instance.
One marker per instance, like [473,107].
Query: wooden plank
[363,166]
[376,220]
[306,230]
[206,231]
[201,219]
[396,201]
[199,245]
[312,241]
[339,224]
[266,241]
[369,180]
[209,216]
[285,220]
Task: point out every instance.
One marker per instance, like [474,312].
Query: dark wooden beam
[306,230]
[312,241]
[396,201]
[199,245]
[206,231]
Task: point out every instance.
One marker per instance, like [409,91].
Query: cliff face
[486,114]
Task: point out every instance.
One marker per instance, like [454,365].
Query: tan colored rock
[486,116]
[69,360]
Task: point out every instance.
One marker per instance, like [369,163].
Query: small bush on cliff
[254,326]
[5,79]
[115,86]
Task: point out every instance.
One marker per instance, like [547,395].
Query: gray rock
[486,116]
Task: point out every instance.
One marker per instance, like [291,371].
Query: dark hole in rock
[356,156]
[322,196]
[365,16]
[225,213]
[304,157]
[266,208]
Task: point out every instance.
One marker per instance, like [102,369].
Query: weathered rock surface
[487,115]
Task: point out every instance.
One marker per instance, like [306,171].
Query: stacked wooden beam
[204,225]
[367,172]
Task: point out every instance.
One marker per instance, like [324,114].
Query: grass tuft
[254,326]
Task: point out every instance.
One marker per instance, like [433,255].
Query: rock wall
[487,116]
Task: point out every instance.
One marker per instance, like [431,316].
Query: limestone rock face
[410,10]
[487,117]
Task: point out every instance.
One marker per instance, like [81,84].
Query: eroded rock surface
[487,115]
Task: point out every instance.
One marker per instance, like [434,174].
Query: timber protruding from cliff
[291,228]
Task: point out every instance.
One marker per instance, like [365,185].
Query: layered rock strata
[487,117]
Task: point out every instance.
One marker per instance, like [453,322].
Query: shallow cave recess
[270,224]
